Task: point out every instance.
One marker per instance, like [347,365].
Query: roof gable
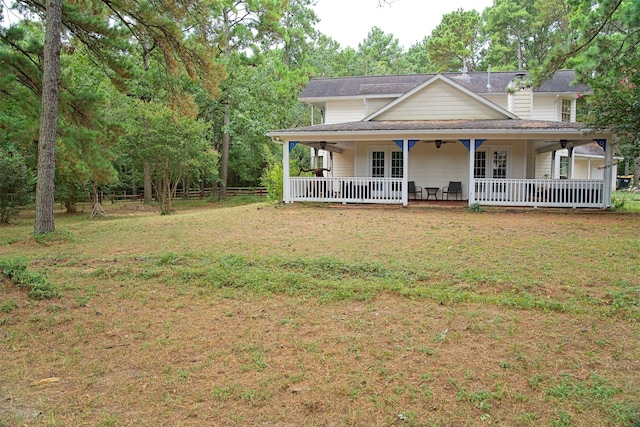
[440,98]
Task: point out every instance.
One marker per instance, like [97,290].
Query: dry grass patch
[296,315]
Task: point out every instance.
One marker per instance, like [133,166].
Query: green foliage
[522,32]
[475,208]
[16,183]
[269,52]
[417,58]
[15,271]
[60,235]
[273,179]
[8,305]
[626,201]
[174,146]
[615,106]
[595,392]
[456,42]
[597,38]
[617,204]
[84,136]
[379,54]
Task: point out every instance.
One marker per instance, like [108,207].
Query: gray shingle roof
[400,84]
[589,150]
[417,125]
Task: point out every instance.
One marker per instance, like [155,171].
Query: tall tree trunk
[224,167]
[71,205]
[148,192]
[224,161]
[44,221]
[519,50]
[636,172]
[146,167]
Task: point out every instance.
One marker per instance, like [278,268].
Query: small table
[432,191]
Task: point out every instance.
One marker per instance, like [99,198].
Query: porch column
[570,163]
[608,171]
[286,170]
[553,165]
[405,172]
[472,179]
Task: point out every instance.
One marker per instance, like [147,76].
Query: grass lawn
[315,316]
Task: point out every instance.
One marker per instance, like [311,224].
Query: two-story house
[488,138]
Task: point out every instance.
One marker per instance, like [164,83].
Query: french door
[386,163]
[493,162]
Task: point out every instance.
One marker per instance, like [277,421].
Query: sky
[349,21]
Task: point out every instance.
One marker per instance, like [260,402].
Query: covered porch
[473,154]
[491,192]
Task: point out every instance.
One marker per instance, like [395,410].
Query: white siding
[544,107]
[361,162]
[518,160]
[440,101]
[343,164]
[543,165]
[498,99]
[522,103]
[375,104]
[432,167]
[344,111]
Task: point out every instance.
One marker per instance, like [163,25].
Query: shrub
[15,271]
[273,179]
[475,207]
[617,203]
[16,183]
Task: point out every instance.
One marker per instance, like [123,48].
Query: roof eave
[462,133]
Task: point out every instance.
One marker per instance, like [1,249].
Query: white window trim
[387,149]
[490,149]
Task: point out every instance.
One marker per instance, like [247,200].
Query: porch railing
[346,190]
[540,192]
[488,191]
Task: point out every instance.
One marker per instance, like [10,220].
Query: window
[383,168]
[377,164]
[396,164]
[498,167]
[480,166]
[564,167]
[380,168]
[499,164]
[566,110]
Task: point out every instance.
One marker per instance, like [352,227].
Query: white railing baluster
[347,190]
[489,191]
[540,192]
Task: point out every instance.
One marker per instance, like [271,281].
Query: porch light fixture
[323,144]
[563,143]
[438,143]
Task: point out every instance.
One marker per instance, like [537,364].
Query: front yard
[307,315]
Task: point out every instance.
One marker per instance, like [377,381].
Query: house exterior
[584,162]
[501,138]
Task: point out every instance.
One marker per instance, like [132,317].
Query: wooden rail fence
[231,191]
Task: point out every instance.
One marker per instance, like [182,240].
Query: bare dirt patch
[147,334]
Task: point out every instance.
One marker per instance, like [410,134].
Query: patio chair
[415,190]
[455,187]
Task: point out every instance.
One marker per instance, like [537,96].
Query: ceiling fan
[438,142]
[563,142]
[322,144]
